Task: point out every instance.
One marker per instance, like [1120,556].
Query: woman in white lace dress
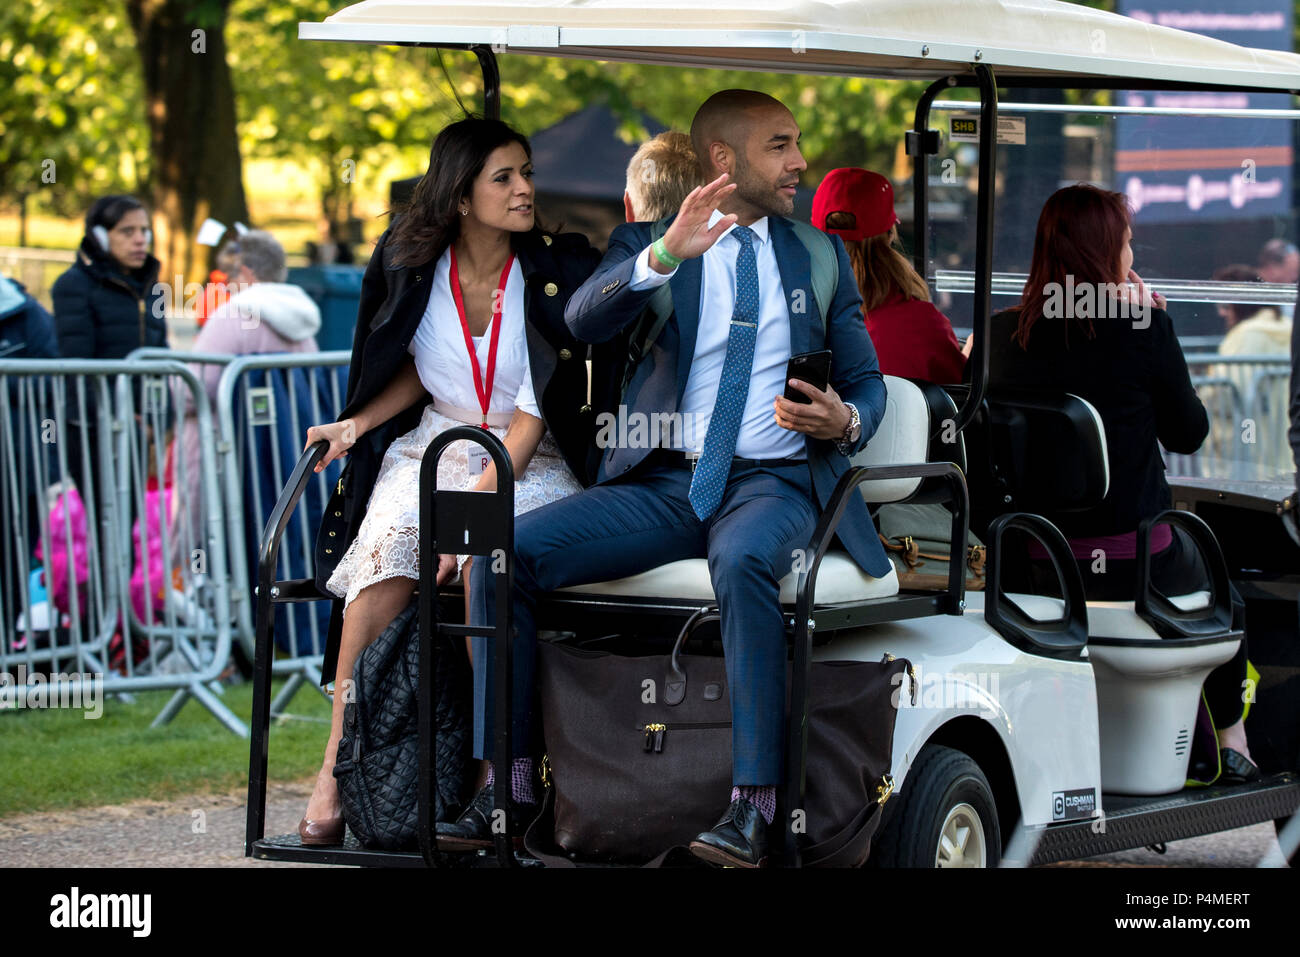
[465,265]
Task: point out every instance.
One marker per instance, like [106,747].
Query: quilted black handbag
[378,758]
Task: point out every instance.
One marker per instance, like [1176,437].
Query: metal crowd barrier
[135,586]
[1247,400]
[256,394]
[265,404]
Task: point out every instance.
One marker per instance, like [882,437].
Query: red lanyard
[498,302]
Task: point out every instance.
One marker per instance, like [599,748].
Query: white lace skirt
[388,543]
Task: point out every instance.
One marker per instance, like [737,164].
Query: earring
[464,212]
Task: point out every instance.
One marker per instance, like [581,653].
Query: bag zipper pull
[649,738]
[660,729]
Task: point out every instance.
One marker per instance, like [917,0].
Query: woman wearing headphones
[106,304]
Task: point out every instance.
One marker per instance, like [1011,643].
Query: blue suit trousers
[630,525]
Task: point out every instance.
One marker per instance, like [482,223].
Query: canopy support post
[981,318]
[487,62]
[922,143]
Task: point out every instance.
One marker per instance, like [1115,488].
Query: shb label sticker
[1072,805]
[479,460]
[965,128]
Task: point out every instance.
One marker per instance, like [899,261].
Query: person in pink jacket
[263,314]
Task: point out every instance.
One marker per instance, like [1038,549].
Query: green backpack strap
[825,266]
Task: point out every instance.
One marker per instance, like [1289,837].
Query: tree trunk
[195,169]
[336,195]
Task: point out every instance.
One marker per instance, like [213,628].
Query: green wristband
[663,255]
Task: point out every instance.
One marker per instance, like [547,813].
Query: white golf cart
[1041,728]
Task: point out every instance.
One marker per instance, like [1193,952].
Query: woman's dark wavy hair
[1080,234]
[430,222]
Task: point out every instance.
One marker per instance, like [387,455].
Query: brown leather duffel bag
[639,754]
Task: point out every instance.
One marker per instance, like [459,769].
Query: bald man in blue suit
[745,486]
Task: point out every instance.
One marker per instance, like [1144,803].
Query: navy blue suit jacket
[605,304]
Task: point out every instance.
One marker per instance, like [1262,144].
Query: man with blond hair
[659,176]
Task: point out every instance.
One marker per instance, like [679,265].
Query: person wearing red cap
[913,339]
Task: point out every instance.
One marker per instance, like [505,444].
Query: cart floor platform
[1131,822]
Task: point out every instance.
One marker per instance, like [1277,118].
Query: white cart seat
[838,580]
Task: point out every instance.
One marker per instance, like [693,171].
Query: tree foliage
[188,99]
[71,81]
[73,75]
[341,110]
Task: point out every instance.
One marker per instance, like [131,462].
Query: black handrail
[1064,637]
[1166,618]
[264,652]
[804,625]
[501,633]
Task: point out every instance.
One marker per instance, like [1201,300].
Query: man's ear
[720,155]
[629,212]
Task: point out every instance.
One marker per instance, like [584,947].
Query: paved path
[204,831]
[208,831]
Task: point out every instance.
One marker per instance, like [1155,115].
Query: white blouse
[443,363]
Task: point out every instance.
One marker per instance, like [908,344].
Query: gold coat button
[550,289]
[546,239]
[566,354]
[329,551]
[331,534]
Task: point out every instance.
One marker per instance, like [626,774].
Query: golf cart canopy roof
[918,39]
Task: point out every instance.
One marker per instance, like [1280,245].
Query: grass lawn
[58,759]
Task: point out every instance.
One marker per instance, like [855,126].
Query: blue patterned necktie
[714,465]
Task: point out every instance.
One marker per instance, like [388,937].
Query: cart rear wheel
[945,816]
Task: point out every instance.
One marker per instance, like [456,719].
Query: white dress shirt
[760,437]
[443,362]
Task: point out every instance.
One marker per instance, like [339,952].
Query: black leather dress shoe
[1237,768]
[739,839]
[472,831]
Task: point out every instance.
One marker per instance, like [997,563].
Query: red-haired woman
[913,339]
[1086,324]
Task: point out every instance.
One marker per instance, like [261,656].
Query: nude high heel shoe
[321,833]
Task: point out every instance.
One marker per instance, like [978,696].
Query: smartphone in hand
[811,367]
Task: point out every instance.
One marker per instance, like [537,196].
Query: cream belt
[498,420]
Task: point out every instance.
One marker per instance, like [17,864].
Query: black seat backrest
[946,443]
[1035,451]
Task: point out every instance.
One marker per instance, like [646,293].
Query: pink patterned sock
[762,797]
[521,780]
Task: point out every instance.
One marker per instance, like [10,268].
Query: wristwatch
[852,431]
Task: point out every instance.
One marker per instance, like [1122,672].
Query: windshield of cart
[1209,178]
